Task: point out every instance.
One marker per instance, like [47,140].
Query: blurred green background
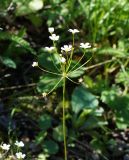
[97,125]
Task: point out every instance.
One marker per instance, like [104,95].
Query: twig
[99,64]
[17,87]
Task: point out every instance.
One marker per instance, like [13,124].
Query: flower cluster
[66,56]
[5,146]
[53,36]
[19,155]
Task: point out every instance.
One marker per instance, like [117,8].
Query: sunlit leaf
[83,99]
[48,82]
[8,62]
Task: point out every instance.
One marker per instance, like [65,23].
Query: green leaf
[77,71]
[48,82]
[122,77]
[49,61]
[45,122]
[8,62]
[19,40]
[111,51]
[50,147]
[120,106]
[58,133]
[40,137]
[26,7]
[83,99]
[93,122]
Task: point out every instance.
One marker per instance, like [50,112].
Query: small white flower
[44,94]
[20,155]
[5,146]
[49,49]
[19,144]
[66,48]
[80,80]
[73,31]
[35,64]
[54,37]
[51,29]
[85,45]
[63,60]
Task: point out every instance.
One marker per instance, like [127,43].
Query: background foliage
[97,109]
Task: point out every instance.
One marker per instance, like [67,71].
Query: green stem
[71,54]
[64,121]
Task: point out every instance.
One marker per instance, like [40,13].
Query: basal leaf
[83,99]
[49,61]
[48,82]
[45,122]
[50,147]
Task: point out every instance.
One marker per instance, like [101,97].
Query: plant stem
[64,122]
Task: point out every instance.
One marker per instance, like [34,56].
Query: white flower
[5,146]
[44,94]
[51,29]
[54,37]
[49,49]
[63,60]
[80,80]
[20,155]
[66,48]
[19,144]
[85,45]
[73,31]
[35,64]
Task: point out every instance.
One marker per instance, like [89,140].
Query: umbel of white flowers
[5,146]
[19,144]
[20,155]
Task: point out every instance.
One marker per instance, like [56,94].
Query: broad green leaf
[58,133]
[83,99]
[49,61]
[45,122]
[48,83]
[76,73]
[75,70]
[120,106]
[121,123]
[8,62]
[111,51]
[50,147]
